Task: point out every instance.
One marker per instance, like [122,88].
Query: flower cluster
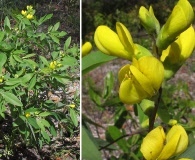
[28,13]
[53,65]
[157,145]
[175,42]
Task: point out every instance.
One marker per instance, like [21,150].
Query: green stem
[153,116]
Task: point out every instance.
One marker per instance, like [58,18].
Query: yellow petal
[183,141]
[153,143]
[153,69]
[109,43]
[131,92]
[124,71]
[143,81]
[180,19]
[187,39]
[125,37]
[86,48]
[170,147]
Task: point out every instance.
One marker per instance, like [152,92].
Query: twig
[152,117]
[126,135]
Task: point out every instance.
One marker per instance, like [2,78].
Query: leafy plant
[34,70]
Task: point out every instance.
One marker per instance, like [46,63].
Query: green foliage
[33,66]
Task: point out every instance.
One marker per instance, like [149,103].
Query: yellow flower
[29,7]
[27,114]
[180,19]
[59,65]
[158,146]
[177,52]
[172,122]
[142,79]
[29,16]
[72,105]
[148,20]
[118,44]
[23,12]
[86,48]
[53,65]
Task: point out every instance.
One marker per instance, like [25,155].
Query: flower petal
[153,143]
[153,69]
[130,92]
[109,43]
[183,141]
[125,37]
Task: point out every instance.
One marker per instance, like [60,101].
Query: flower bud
[148,20]
[86,48]
[180,19]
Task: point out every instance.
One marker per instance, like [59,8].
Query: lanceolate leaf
[11,98]
[93,60]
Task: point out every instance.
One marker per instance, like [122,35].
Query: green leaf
[3,59]
[56,26]
[11,98]
[55,39]
[32,121]
[44,18]
[40,124]
[29,55]
[109,85]
[32,82]
[27,77]
[93,60]
[2,34]
[189,153]
[73,116]
[45,123]
[113,133]
[44,60]
[53,131]
[67,43]
[7,23]
[89,149]
[17,58]
[45,114]
[54,55]
[45,135]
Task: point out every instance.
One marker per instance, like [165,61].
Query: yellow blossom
[118,44]
[180,19]
[23,12]
[142,79]
[29,16]
[148,20]
[29,7]
[72,105]
[53,65]
[86,48]
[27,114]
[157,145]
[178,52]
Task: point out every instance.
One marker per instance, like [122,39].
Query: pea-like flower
[118,44]
[157,146]
[29,7]
[178,52]
[142,79]
[29,16]
[180,19]
[23,12]
[86,48]
[27,114]
[148,20]
[53,65]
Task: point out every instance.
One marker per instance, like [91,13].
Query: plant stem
[152,117]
